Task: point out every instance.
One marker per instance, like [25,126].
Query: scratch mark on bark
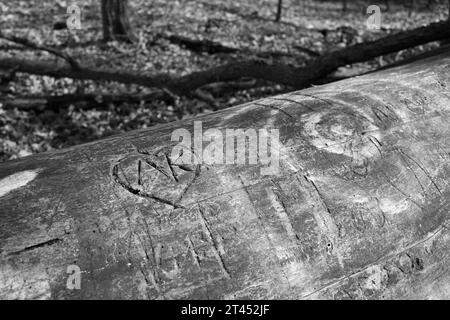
[196,175]
[115,177]
[384,259]
[422,167]
[124,175]
[280,210]
[184,167]
[414,173]
[152,281]
[139,182]
[376,143]
[217,247]
[169,163]
[144,247]
[156,167]
[276,108]
[273,249]
[245,188]
[409,197]
[155,250]
[383,214]
[313,97]
[194,254]
[150,261]
[324,219]
[293,101]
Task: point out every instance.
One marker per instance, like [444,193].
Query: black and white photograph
[225,156]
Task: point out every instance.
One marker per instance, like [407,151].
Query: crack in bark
[36,246]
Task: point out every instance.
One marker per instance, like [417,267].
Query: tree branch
[280,73]
[83,101]
[213,47]
[27,43]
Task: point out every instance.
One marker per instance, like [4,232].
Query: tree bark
[358,210]
[116,24]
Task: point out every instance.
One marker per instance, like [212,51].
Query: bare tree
[279,10]
[116,24]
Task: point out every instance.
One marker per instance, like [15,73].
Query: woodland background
[174,38]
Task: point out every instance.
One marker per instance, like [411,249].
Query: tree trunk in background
[279,10]
[116,24]
[447,41]
[360,208]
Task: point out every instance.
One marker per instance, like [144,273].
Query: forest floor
[245,25]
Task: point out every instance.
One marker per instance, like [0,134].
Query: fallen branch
[297,77]
[204,45]
[224,88]
[213,47]
[27,43]
[433,52]
[83,101]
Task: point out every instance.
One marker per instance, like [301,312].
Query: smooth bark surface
[360,208]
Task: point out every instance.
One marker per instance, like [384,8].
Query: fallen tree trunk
[275,72]
[359,207]
[25,42]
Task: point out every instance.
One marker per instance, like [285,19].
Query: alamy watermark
[374,20]
[228,146]
[74,279]
[74,19]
